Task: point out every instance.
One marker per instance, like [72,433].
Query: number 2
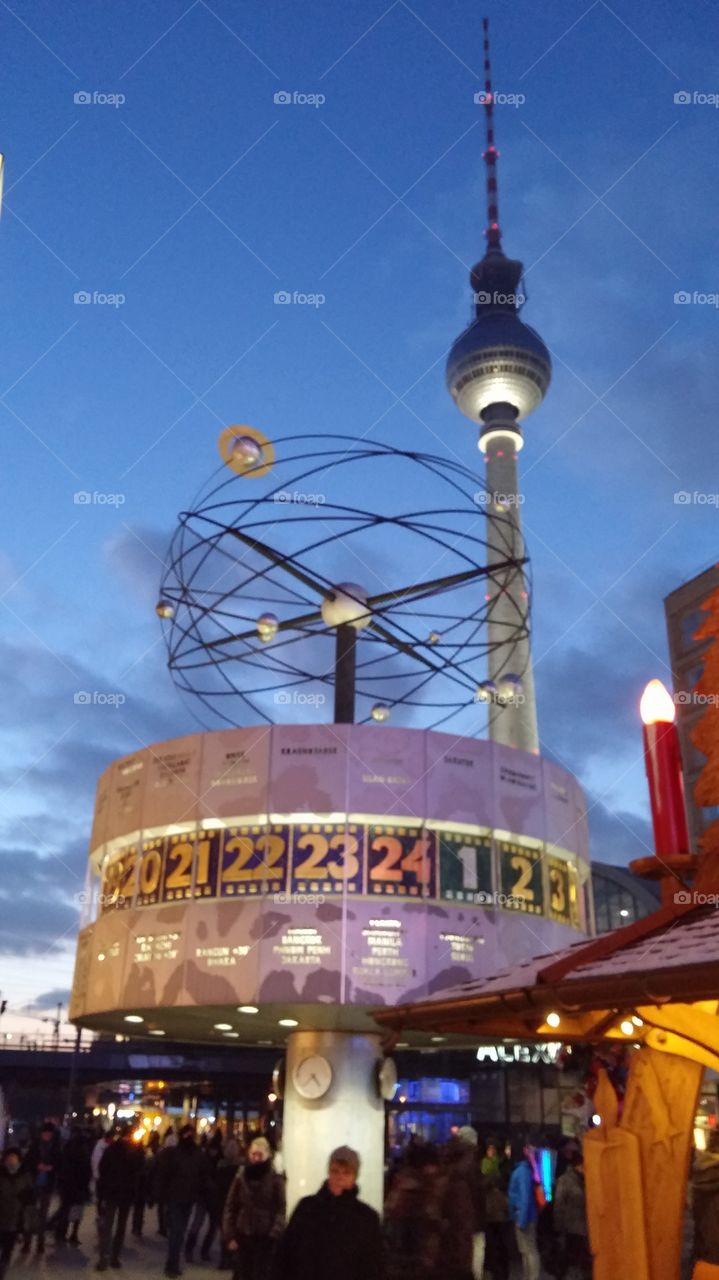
[244,847]
[521,889]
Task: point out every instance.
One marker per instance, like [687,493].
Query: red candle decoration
[662,758]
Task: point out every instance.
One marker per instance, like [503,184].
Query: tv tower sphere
[498,359]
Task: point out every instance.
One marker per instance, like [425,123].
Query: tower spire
[493,233]
[497,372]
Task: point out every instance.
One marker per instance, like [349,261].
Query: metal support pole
[345,666]
[74,1062]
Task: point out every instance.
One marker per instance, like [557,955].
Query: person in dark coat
[73,1184]
[227,1168]
[413,1221]
[496,1180]
[16,1195]
[570,1219]
[43,1162]
[118,1173]
[468,1166]
[254,1215]
[705,1201]
[145,1191]
[458,1213]
[332,1235]
[182,1172]
[207,1209]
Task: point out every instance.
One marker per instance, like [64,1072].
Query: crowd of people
[471,1209]
[464,1211]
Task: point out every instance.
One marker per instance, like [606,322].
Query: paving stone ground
[140,1260]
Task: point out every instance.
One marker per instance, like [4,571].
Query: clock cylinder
[350,1113]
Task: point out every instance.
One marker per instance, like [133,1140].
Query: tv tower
[497,373]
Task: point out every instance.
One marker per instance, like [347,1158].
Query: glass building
[620,897]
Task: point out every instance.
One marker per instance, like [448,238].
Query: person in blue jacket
[524,1211]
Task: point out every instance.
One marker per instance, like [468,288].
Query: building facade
[684,616]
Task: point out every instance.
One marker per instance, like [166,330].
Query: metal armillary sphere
[328,569]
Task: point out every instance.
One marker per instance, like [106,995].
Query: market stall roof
[668,957]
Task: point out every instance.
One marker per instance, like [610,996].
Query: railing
[44,1044]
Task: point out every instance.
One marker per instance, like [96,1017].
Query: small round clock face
[387,1079]
[312,1077]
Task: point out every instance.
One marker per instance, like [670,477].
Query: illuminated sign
[301,946]
[465,864]
[314,860]
[524,1053]
[381,961]
[327,858]
[402,861]
[521,877]
[563,903]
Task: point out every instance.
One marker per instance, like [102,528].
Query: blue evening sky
[196,199]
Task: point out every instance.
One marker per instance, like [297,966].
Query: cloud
[616,836]
[588,705]
[40,899]
[49,1000]
[137,556]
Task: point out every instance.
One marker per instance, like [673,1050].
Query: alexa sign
[547,1053]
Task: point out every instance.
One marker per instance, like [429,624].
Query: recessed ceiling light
[232,1035]
[288,1022]
[133,1017]
[223,1026]
[553,1020]
[438,1039]
[265,1042]
[402,1044]
[157,1032]
[247,1008]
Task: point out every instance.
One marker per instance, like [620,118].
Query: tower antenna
[490,156]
